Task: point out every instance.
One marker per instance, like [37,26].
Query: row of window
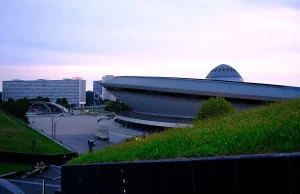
[33,93]
[223,69]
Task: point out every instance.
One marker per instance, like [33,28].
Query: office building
[97,87]
[72,89]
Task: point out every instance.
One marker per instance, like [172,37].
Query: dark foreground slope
[16,137]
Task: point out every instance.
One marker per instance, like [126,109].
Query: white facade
[72,89]
[105,94]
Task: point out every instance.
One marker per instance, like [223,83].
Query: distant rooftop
[48,79]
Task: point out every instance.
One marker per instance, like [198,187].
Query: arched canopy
[48,107]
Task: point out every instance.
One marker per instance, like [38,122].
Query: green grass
[271,129]
[6,168]
[16,137]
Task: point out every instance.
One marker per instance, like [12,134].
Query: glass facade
[97,87]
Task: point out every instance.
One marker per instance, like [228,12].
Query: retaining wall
[273,173]
[57,159]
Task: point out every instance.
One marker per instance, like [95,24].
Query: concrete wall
[274,173]
[152,123]
[165,106]
[106,95]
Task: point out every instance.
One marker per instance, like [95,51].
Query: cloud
[184,38]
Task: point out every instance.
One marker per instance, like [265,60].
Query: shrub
[115,106]
[214,107]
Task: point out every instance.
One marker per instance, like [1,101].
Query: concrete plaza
[76,130]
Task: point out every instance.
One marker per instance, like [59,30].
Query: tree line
[19,107]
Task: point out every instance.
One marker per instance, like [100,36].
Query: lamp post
[54,130]
[33,142]
[52,127]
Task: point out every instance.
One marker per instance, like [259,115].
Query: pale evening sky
[59,39]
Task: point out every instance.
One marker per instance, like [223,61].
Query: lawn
[16,137]
[270,129]
[6,168]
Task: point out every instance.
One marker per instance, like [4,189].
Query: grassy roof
[16,137]
[270,129]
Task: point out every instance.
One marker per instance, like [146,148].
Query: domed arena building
[159,102]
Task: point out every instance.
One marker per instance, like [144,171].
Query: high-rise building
[0,95]
[72,89]
[105,94]
[97,87]
[90,99]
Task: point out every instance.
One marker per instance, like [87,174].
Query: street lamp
[52,127]
[54,130]
[33,142]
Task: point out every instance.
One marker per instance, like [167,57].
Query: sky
[56,39]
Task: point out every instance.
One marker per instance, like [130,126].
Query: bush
[214,107]
[115,106]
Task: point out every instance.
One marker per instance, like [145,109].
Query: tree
[62,101]
[39,98]
[18,108]
[105,100]
[114,106]
[10,100]
[214,107]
